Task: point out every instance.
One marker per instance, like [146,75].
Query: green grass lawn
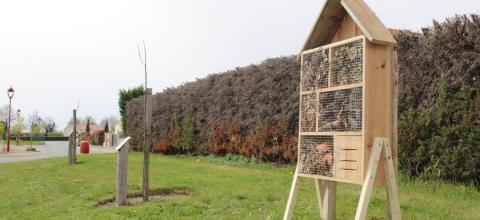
[51,189]
[24,143]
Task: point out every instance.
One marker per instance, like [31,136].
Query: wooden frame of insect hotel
[347,106]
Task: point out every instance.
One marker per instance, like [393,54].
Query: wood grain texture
[394,212]
[122,170]
[147,142]
[368,22]
[342,18]
[292,197]
[74,142]
[377,98]
[346,30]
[326,25]
[368,183]
[327,198]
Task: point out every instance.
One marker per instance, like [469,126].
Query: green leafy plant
[443,142]
[187,140]
[126,95]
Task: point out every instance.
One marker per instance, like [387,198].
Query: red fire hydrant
[84,147]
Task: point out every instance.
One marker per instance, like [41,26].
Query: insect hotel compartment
[315,70]
[340,110]
[317,155]
[347,63]
[308,111]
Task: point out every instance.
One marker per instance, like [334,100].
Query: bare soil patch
[156,195]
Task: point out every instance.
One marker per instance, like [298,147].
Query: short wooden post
[70,143]
[122,170]
[74,145]
[327,198]
[147,142]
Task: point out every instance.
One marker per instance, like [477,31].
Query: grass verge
[219,189]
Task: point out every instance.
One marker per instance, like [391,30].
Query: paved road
[53,149]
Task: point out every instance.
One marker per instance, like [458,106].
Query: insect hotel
[347,107]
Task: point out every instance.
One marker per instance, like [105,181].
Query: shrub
[443,141]
[97,138]
[187,140]
[126,95]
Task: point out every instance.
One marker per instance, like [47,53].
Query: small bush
[126,95]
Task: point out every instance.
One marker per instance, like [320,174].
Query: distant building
[118,129]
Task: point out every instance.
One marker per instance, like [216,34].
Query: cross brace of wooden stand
[326,190]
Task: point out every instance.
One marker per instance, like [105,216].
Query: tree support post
[147,142]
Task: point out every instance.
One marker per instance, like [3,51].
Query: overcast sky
[55,52]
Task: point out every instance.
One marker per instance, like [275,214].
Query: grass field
[51,189]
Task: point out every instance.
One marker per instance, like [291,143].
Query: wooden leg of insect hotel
[292,196]
[327,198]
[326,194]
[379,144]
[391,181]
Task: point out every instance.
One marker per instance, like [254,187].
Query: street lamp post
[19,127]
[10,91]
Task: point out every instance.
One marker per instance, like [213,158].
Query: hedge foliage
[253,111]
[443,141]
[126,95]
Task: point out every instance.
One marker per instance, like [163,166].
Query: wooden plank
[336,88]
[331,133]
[327,198]
[123,144]
[394,142]
[391,182]
[292,197]
[300,115]
[368,22]
[334,44]
[346,30]
[122,170]
[369,181]
[395,110]
[327,21]
[347,157]
[377,98]
[343,180]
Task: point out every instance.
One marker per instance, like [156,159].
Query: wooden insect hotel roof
[332,15]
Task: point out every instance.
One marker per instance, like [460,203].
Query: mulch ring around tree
[156,195]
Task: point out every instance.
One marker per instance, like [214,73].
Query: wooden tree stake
[72,141]
[147,142]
